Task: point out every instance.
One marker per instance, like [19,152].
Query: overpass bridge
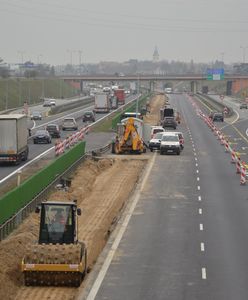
[238,81]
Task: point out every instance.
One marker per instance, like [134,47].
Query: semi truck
[102,103]
[13,138]
[120,95]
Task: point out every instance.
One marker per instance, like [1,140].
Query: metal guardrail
[215,104]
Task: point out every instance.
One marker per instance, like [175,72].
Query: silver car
[69,124]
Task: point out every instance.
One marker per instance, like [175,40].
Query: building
[155,55]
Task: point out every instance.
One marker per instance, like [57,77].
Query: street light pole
[137,101]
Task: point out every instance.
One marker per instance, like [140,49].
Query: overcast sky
[54,31]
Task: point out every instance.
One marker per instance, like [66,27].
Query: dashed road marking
[197,171]
[199,198]
[198,178]
[198,187]
[200,211]
[202,247]
[201,226]
[204,273]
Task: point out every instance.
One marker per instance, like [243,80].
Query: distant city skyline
[57,32]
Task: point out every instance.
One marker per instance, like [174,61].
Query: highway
[38,149]
[184,233]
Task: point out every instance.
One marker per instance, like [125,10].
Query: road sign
[215,74]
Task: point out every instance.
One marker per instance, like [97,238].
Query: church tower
[155,55]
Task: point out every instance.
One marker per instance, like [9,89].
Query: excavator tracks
[58,254]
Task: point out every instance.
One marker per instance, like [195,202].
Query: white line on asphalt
[196,165]
[198,187]
[108,260]
[194,154]
[201,227]
[24,166]
[195,158]
[204,273]
[200,211]
[197,171]
[198,178]
[202,247]
[199,198]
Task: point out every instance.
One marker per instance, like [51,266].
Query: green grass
[15,91]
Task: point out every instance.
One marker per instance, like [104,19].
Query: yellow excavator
[58,258]
[128,139]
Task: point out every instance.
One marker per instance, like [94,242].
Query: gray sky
[53,31]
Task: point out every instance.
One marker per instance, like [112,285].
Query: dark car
[53,130]
[89,116]
[36,115]
[169,122]
[218,116]
[243,105]
[42,136]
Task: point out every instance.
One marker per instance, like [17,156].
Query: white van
[170,143]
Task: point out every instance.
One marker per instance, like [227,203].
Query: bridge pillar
[151,87]
[81,85]
[229,87]
[193,87]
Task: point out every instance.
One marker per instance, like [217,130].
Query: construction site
[102,187]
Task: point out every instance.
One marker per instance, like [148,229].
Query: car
[169,122]
[89,116]
[170,143]
[156,129]
[218,116]
[154,143]
[181,138]
[52,102]
[69,124]
[36,115]
[42,136]
[53,130]
[49,102]
[243,105]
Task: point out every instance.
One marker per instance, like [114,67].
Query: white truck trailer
[102,103]
[13,138]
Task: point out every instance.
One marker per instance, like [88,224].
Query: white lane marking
[236,118]
[201,226]
[195,158]
[200,211]
[198,178]
[108,260]
[202,247]
[204,273]
[197,171]
[28,163]
[194,154]
[199,198]
[198,187]
[196,165]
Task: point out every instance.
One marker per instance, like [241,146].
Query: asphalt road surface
[187,236]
